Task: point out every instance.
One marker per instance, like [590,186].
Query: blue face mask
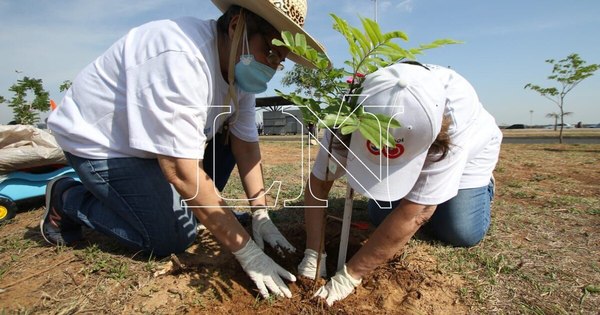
[252,76]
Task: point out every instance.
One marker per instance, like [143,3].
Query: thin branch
[38,273]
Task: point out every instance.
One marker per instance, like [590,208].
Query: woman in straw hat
[163,107]
[439,172]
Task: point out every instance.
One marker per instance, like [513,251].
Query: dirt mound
[103,278]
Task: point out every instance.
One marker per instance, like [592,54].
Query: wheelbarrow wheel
[8,209]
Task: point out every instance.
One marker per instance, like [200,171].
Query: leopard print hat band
[284,15]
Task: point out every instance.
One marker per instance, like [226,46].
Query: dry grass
[550,133]
[541,255]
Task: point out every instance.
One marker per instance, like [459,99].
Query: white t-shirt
[475,146]
[158,90]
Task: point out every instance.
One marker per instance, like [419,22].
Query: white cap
[413,96]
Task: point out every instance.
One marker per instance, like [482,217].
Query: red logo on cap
[393,153]
[373,149]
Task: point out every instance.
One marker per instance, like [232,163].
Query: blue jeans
[461,221]
[130,200]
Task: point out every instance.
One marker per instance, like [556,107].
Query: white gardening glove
[263,230]
[265,273]
[338,287]
[308,265]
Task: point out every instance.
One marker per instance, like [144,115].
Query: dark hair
[442,143]
[254,23]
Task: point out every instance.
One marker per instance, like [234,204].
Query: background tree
[568,73]
[65,85]
[307,80]
[555,116]
[26,112]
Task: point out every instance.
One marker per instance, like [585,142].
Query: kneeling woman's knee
[463,237]
[164,246]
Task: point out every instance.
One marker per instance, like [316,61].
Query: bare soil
[540,255]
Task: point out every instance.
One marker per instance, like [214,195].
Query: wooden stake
[346,221]
[321,250]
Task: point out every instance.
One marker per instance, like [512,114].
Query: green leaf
[314,106]
[378,123]
[389,140]
[328,121]
[370,134]
[373,31]
[301,46]
[410,54]
[391,50]
[341,26]
[368,68]
[307,115]
[362,40]
[370,120]
[347,121]
[438,43]
[277,42]
[322,64]
[395,35]
[288,39]
[378,137]
[447,41]
[592,288]
[347,129]
[387,121]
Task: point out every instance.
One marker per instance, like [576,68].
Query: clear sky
[505,45]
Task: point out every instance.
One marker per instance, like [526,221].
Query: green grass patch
[100,262]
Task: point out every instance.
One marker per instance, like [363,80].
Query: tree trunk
[562,124]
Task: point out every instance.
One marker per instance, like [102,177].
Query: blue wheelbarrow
[20,185]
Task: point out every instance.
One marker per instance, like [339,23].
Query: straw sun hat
[283,15]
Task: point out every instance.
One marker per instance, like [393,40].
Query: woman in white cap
[140,120]
[440,170]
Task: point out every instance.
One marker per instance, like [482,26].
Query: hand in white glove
[308,265]
[263,230]
[265,273]
[338,287]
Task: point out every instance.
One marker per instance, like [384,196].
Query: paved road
[544,140]
[522,140]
